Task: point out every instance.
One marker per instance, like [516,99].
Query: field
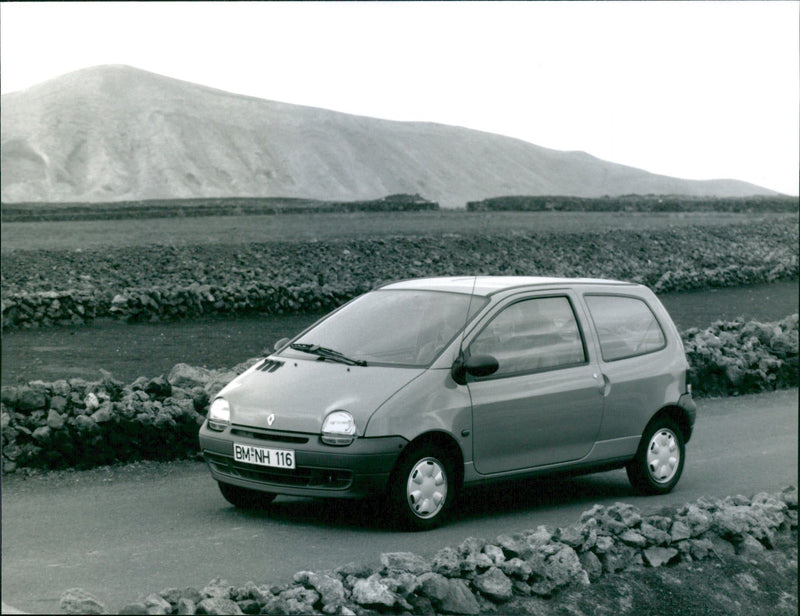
[80,235]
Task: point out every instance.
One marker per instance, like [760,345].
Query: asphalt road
[124,533]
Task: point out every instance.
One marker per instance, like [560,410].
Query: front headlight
[339,428]
[219,415]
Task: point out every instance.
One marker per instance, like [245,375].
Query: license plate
[263,456]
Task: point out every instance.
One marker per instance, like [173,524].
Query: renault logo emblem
[271,419]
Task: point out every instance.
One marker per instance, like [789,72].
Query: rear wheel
[244,498]
[658,464]
[422,488]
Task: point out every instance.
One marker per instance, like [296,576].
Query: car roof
[488,285]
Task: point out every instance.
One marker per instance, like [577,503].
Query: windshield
[396,327]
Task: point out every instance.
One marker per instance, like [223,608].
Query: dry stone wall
[76,423]
[481,576]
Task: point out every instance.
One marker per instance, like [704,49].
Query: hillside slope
[113,132]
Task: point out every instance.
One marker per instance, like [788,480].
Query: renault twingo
[420,387]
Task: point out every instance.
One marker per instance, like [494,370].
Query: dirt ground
[719,586]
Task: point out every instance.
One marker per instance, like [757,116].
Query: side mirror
[476,365]
[281,343]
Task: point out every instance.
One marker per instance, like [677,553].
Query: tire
[244,498]
[658,464]
[422,488]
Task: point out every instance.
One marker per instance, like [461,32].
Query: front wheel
[659,461]
[422,488]
[244,498]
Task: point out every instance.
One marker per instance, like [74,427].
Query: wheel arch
[441,440]
[679,416]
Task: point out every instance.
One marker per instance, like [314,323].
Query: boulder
[79,601]
[219,605]
[187,377]
[30,399]
[54,420]
[405,561]
[331,590]
[495,585]
[448,596]
[156,604]
[658,556]
[447,562]
[373,592]
[297,600]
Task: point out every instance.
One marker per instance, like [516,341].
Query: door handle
[605,384]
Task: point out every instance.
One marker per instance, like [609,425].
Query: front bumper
[360,469]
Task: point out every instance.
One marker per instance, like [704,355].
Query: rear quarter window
[626,326]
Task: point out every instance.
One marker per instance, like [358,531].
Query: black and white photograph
[356,308]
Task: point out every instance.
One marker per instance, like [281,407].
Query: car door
[544,404]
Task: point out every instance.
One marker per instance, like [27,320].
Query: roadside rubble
[479,576]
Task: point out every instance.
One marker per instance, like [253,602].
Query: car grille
[264,435]
[305,477]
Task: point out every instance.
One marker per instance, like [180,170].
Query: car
[418,388]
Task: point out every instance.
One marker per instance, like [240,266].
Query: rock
[91,402]
[54,420]
[679,531]
[402,583]
[330,589]
[592,565]
[565,567]
[134,608]
[789,496]
[186,606]
[471,545]
[448,596]
[405,561]
[102,414]
[187,377]
[79,601]
[356,569]
[654,534]
[216,588]
[494,553]
[84,424]
[495,585]
[249,606]
[698,520]
[219,605]
[297,600]
[42,434]
[631,537]
[749,547]
[700,548]
[627,514]
[171,595]
[657,556]
[447,562]
[604,544]
[372,591]
[620,557]
[158,388]
[156,604]
[9,396]
[721,547]
[30,399]
[516,568]
[571,535]
[58,404]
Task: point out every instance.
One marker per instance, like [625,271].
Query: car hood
[300,393]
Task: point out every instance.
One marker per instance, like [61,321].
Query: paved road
[124,534]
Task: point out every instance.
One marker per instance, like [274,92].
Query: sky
[698,90]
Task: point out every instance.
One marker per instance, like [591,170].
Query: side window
[625,326]
[531,335]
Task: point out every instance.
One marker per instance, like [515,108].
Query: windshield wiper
[325,353]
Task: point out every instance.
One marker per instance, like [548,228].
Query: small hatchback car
[421,387]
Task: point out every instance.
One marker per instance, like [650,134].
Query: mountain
[112,133]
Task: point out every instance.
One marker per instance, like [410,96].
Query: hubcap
[426,489]
[663,456]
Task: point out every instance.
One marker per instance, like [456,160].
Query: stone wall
[481,576]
